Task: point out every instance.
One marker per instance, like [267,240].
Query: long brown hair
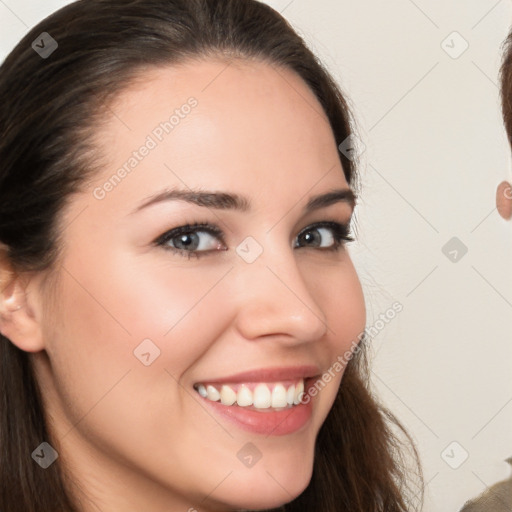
[49,108]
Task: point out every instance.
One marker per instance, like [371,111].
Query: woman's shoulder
[497,498]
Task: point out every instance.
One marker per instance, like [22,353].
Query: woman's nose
[274,300]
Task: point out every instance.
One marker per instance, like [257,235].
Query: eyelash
[340,235]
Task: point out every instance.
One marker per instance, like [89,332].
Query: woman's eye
[195,240]
[326,235]
[192,240]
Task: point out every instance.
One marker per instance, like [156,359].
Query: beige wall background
[422,77]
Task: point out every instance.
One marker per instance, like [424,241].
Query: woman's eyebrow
[228,201]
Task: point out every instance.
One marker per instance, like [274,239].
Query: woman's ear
[18,321]
[504,200]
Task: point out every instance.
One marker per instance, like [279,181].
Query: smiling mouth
[259,396]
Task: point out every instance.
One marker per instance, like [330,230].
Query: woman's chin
[266,488]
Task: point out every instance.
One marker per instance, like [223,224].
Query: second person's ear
[504,200]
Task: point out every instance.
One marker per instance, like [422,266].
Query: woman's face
[139,330]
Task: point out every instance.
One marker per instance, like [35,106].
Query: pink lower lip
[269,423]
[276,423]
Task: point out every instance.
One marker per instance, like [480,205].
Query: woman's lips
[270,374]
[268,415]
[275,423]
[261,395]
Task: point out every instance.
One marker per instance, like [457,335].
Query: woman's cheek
[178,308]
[344,306]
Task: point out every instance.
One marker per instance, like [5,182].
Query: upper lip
[270,374]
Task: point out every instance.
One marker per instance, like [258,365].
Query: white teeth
[279,396]
[244,396]
[290,394]
[299,391]
[264,396]
[227,396]
[213,394]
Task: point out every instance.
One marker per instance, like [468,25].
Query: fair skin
[139,437]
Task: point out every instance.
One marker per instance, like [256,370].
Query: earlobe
[18,322]
[504,200]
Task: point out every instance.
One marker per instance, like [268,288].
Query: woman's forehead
[244,96]
[211,121]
